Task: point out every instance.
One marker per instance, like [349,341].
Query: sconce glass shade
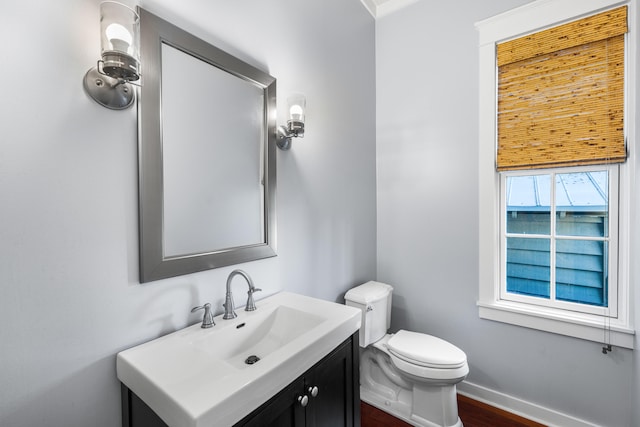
[120,37]
[297,106]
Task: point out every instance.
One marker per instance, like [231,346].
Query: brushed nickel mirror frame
[154,265]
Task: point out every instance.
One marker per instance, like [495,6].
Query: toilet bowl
[410,375]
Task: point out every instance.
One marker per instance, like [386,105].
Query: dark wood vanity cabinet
[327,395]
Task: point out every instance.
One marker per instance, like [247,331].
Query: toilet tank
[374,300]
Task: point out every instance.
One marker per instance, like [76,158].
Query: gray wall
[69,293]
[427,126]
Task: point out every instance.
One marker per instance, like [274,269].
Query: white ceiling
[379,8]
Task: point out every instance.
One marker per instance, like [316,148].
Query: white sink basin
[198,377]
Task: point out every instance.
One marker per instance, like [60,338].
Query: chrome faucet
[229,307]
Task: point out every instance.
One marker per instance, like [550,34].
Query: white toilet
[410,375]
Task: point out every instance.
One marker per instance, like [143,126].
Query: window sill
[557,321]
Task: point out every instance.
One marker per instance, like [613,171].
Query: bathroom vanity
[333,380]
[292,362]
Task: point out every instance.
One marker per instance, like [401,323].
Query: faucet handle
[251,305]
[207,319]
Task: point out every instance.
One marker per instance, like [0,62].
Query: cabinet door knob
[313,391]
[304,400]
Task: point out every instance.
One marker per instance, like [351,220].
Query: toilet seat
[427,357]
[426,350]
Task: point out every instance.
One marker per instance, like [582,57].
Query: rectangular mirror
[206,155]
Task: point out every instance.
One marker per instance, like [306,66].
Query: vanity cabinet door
[332,383]
[136,413]
[283,410]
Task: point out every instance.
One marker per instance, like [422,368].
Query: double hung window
[554,174]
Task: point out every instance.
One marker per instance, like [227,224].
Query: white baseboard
[531,411]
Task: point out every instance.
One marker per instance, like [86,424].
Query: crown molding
[380,8]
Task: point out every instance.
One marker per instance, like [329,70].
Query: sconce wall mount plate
[283,138]
[108,91]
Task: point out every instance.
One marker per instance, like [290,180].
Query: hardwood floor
[478,414]
[471,412]
[371,416]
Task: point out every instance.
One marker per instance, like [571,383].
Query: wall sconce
[108,82]
[295,123]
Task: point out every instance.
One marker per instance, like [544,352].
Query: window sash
[611,310]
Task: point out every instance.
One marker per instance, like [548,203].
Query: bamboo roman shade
[561,95]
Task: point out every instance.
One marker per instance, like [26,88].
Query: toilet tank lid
[368,292]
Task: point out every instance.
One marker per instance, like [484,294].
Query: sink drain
[251,359]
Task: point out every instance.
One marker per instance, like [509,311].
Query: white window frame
[527,19]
